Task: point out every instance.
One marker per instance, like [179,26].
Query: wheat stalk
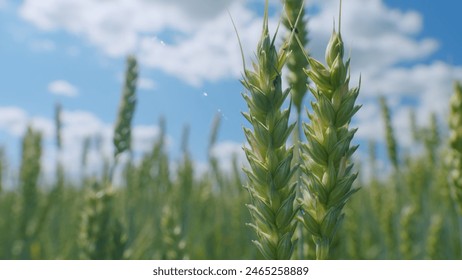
[59,165]
[270,172]
[2,167]
[433,248]
[58,125]
[29,175]
[326,155]
[407,233]
[392,147]
[101,234]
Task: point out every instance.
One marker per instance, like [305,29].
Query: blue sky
[73,52]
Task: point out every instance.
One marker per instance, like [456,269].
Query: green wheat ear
[122,131]
[29,172]
[271,168]
[455,153]
[102,235]
[295,21]
[392,146]
[326,155]
[455,145]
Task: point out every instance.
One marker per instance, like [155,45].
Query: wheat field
[301,196]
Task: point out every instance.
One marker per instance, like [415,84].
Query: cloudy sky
[73,52]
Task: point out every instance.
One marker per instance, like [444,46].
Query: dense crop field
[323,207]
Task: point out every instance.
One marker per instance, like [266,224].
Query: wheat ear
[271,170]
[122,131]
[294,20]
[455,142]
[455,152]
[326,155]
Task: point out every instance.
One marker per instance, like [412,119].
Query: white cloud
[63,88]
[372,31]
[192,40]
[115,25]
[143,137]
[44,125]
[146,83]
[225,151]
[195,40]
[429,86]
[211,52]
[368,120]
[13,120]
